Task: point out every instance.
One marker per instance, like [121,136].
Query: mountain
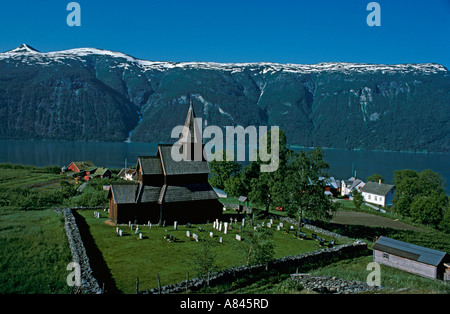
[94,94]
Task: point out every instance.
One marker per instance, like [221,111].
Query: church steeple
[191,138]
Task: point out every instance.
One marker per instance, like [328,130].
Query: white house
[378,193]
[347,186]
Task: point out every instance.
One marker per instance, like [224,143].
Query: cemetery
[164,254]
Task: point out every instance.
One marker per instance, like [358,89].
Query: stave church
[167,190]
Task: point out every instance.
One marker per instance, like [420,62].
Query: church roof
[172,167]
[187,193]
[150,165]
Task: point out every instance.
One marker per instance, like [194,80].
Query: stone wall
[88,282]
[283,265]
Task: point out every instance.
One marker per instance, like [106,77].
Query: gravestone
[188,234]
[120,232]
[117,229]
[243,222]
[195,236]
[225,229]
[220,240]
[220,226]
[278,228]
[175,225]
[140,236]
[238,237]
[137,230]
[211,234]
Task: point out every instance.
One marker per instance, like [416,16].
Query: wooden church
[167,190]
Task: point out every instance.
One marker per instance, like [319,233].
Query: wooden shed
[409,257]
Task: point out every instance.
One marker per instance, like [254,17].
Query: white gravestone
[120,232]
[243,222]
[220,226]
[188,234]
[238,237]
[140,236]
[220,240]
[211,234]
[225,229]
[175,225]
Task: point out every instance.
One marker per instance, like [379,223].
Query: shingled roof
[172,167]
[185,193]
[150,165]
[124,193]
[377,188]
[409,251]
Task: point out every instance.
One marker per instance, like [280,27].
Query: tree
[304,188]
[261,247]
[420,196]
[266,188]
[375,178]
[358,199]
[222,170]
[428,209]
[234,186]
[205,258]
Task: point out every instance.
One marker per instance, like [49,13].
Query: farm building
[411,258]
[167,190]
[88,170]
[378,193]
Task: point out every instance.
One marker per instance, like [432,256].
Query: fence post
[159,283]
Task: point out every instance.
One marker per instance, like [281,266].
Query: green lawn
[34,252]
[128,258]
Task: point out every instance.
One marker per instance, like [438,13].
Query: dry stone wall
[88,282]
[284,264]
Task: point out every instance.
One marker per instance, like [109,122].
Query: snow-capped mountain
[96,94]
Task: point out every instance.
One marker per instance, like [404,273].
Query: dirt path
[366,219]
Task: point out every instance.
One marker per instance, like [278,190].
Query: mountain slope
[95,94]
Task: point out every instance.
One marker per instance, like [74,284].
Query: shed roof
[409,251]
[172,167]
[377,188]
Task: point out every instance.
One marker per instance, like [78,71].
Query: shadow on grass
[98,264]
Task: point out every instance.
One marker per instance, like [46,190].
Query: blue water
[114,154]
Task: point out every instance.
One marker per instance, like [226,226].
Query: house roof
[100,171]
[172,167]
[409,251]
[377,188]
[150,165]
[124,171]
[85,165]
[242,198]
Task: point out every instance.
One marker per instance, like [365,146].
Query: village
[174,202]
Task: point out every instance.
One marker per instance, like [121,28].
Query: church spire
[191,138]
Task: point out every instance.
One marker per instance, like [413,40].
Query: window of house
[385,255]
[375,198]
[368,197]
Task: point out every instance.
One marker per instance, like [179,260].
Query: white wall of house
[382,200]
[374,199]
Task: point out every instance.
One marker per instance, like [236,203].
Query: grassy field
[128,258]
[34,252]
[33,245]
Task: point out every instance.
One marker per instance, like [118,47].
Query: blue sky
[284,31]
